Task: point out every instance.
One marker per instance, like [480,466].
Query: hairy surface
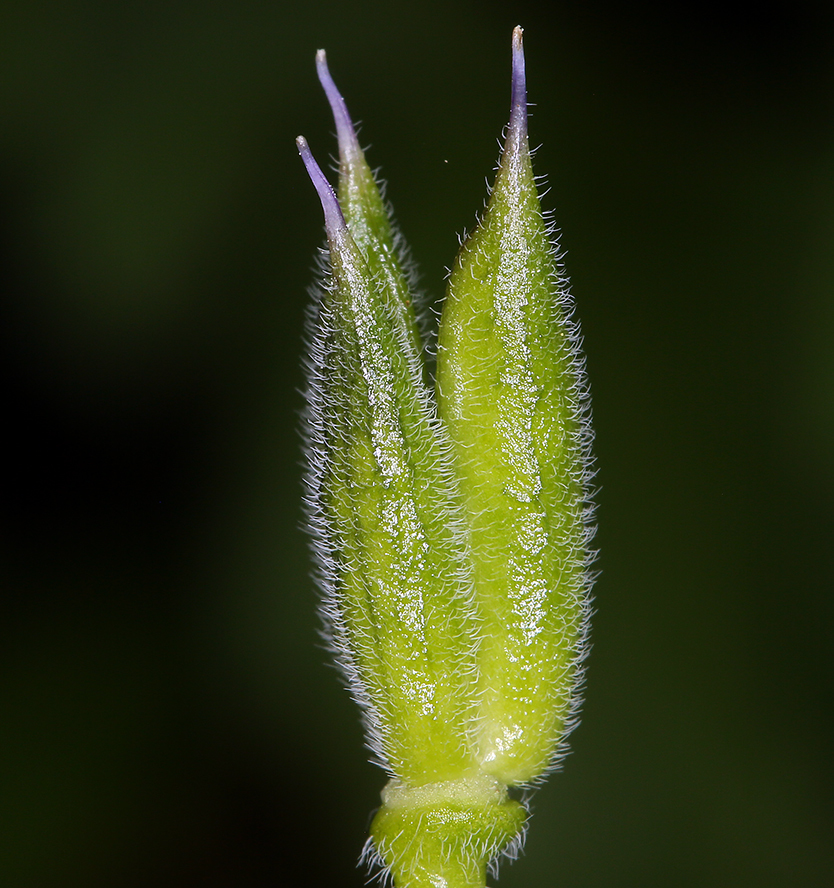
[452,528]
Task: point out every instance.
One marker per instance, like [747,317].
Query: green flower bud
[451,529]
[512,392]
[387,519]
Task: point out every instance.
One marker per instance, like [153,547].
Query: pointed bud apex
[334,221]
[349,150]
[368,217]
[518,108]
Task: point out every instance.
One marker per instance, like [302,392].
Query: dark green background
[166,717]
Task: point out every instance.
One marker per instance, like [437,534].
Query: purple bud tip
[334,221]
[518,111]
[349,149]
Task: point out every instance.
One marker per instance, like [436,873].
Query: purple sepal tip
[334,221]
[518,110]
[348,143]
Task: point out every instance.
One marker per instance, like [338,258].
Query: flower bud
[451,529]
[512,392]
[386,519]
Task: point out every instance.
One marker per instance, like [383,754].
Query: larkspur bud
[512,392]
[392,551]
[451,529]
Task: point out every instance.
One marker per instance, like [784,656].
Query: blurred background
[167,715]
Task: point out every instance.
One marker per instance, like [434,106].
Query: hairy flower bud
[385,511]
[511,390]
[451,528]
